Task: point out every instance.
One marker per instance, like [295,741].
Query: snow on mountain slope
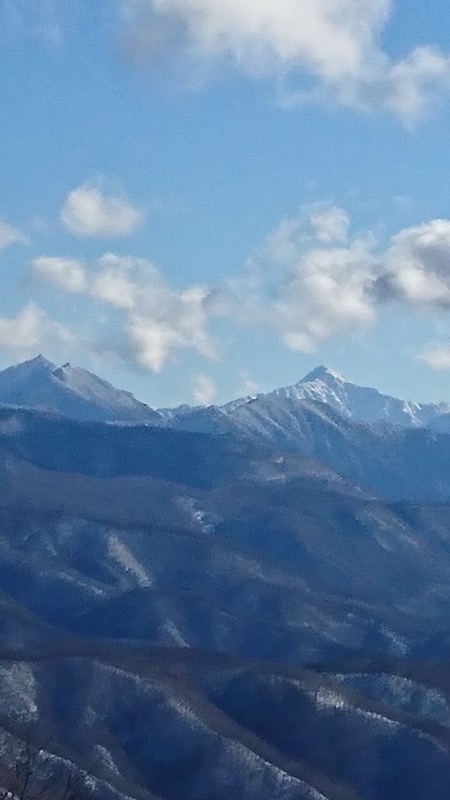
[80,394]
[357,403]
[70,390]
[18,381]
[284,415]
[360,403]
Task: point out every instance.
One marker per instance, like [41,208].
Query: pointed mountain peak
[70,390]
[34,365]
[323,373]
[39,359]
[40,362]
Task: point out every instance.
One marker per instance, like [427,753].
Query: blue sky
[203,199]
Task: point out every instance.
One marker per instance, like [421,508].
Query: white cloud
[313,279]
[10,235]
[303,284]
[416,81]
[330,223]
[307,286]
[329,291]
[89,211]
[30,331]
[65,273]
[205,390]
[157,319]
[418,264]
[114,284]
[337,43]
[157,330]
[151,342]
[436,356]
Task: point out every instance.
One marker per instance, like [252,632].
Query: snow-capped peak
[332,390]
[33,366]
[323,373]
[73,391]
[40,362]
[81,394]
[360,403]
[15,381]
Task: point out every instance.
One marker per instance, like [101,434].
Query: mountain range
[80,394]
[246,602]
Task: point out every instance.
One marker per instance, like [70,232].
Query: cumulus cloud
[114,283]
[436,356]
[335,45]
[311,280]
[30,331]
[204,390]
[418,264]
[89,211]
[66,273]
[157,319]
[330,223]
[306,283]
[329,291]
[154,335]
[10,235]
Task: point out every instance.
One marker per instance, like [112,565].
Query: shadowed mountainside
[199,617]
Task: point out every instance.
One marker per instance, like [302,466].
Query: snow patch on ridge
[18,692]
[118,551]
